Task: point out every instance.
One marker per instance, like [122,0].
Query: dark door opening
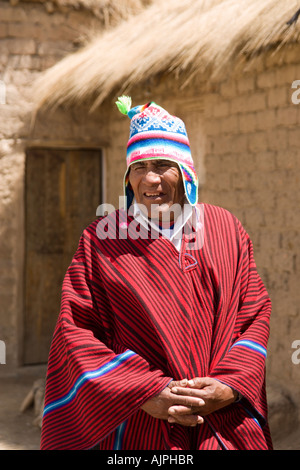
[63,188]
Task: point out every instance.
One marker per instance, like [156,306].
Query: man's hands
[185,402]
[159,406]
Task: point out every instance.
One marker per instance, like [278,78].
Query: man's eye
[163,163]
[139,167]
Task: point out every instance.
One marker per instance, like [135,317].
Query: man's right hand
[158,406]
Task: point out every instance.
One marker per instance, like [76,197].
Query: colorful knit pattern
[156,134]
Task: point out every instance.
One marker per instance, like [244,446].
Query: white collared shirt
[173,234]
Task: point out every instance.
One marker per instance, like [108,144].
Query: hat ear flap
[191,191]
[128,192]
[129,196]
[190,183]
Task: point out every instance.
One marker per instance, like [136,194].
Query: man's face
[157,185]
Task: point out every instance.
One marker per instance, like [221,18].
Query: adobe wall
[32,39]
[252,164]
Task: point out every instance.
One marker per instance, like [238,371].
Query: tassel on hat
[124,104]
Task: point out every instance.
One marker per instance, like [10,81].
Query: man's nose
[152,177]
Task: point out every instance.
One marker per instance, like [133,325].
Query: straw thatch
[110,12]
[190,36]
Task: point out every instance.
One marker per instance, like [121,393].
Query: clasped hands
[185,401]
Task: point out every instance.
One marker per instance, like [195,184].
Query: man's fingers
[178,383]
[180,410]
[186,420]
[190,392]
[199,382]
[187,400]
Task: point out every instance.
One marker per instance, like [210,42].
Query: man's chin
[164,212]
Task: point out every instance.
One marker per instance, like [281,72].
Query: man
[161,340]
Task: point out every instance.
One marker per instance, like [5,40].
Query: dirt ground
[17,431]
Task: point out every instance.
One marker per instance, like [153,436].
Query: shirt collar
[170,233]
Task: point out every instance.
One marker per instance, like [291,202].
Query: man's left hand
[215,394]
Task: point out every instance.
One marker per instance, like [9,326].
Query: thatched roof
[169,36]
[109,11]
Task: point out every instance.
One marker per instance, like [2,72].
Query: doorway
[63,188]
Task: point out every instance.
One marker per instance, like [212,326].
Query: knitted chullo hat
[155,134]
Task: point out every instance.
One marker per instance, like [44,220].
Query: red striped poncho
[135,314]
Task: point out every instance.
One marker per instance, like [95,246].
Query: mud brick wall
[31,40]
[252,166]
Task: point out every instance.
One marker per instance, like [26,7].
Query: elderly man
[161,340]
